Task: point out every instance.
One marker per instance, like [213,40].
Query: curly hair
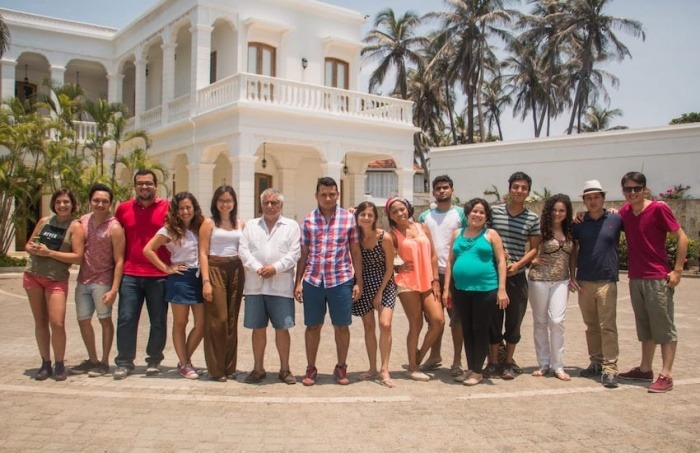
[176,229]
[469,206]
[546,219]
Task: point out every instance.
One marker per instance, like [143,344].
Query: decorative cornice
[54,24]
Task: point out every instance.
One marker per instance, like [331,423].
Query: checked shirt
[329,262]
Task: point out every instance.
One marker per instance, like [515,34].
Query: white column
[168,78]
[7,79]
[356,181]
[288,189]
[140,82]
[243,182]
[405,183]
[58,75]
[334,170]
[202,182]
[114,87]
[243,52]
[201,57]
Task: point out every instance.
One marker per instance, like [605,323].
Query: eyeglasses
[630,189]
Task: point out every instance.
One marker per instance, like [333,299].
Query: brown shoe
[255,377]
[287,377]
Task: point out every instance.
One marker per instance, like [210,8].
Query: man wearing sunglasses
[652,281]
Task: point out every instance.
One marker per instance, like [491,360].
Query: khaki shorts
[652,302]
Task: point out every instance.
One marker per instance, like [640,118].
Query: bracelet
[205,281]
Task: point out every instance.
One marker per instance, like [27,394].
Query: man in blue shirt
[596,251]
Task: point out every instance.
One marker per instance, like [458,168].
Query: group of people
[481,263]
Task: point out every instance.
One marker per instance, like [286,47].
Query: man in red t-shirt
[652,281]
[141,218]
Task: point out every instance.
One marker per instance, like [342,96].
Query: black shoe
[593,370]
[609,380]
[153,369]
[100,370]
[44,372]
[59,371]
[84,367]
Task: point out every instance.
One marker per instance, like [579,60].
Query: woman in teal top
[476,278]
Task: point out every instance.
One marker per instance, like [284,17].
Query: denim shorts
[185,288]
[88,299]
[338,298]
[259,308]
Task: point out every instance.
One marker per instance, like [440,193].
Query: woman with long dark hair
[417,281]
[476,276]
[183,287]
[378,292]
[549,281]
[223,276]
[57,242]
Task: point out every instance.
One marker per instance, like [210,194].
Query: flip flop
[388,383]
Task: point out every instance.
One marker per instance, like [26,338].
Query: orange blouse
[416,251]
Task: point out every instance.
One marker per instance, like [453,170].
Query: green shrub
[8,261]
[671,246]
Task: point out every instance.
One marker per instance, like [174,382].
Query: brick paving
[168,413]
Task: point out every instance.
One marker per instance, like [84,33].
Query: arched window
[336,73]
[261,59]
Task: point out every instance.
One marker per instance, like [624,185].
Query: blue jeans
[132,292]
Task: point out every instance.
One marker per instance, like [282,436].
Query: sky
[655,85]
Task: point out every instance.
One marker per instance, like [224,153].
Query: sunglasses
[630,189]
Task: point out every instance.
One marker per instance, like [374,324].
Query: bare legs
[414,305]
[49,311]
[385,340]
[186,344]
[282,341]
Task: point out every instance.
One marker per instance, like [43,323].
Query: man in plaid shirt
[330,250]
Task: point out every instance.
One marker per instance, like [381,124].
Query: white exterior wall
[667,156]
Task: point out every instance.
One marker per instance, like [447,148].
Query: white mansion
[254,93]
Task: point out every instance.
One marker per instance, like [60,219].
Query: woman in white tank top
[223,278]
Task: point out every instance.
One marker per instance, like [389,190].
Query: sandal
[544,371]
[255,377]
[388,383]
[562,375]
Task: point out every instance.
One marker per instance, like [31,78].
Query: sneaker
[310,377]
[609,380]
[417,376]
[121,372]
[636,374]
[593,370]
[84,367]
[662,385]
[187,371]
[153,368]
[341,374]
[287,377]
[44,372]
[507,372]
[59,371]
[255,377]
[100,370]
[456,370]
[491,371]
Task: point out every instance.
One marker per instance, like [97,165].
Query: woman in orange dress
[417,281]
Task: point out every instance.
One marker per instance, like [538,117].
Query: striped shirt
[515,230]
[329,262]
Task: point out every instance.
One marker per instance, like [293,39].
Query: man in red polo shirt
[141,218]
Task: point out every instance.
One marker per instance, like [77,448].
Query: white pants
[548,300]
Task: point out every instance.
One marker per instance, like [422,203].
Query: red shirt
[646,240]
[140,225]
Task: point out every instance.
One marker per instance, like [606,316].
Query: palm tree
[395,45]
[4,37]
[495,100]
[598,119]
[470,24]
[588,34]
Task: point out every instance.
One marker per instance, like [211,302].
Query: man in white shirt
[270,250]
[442,221]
